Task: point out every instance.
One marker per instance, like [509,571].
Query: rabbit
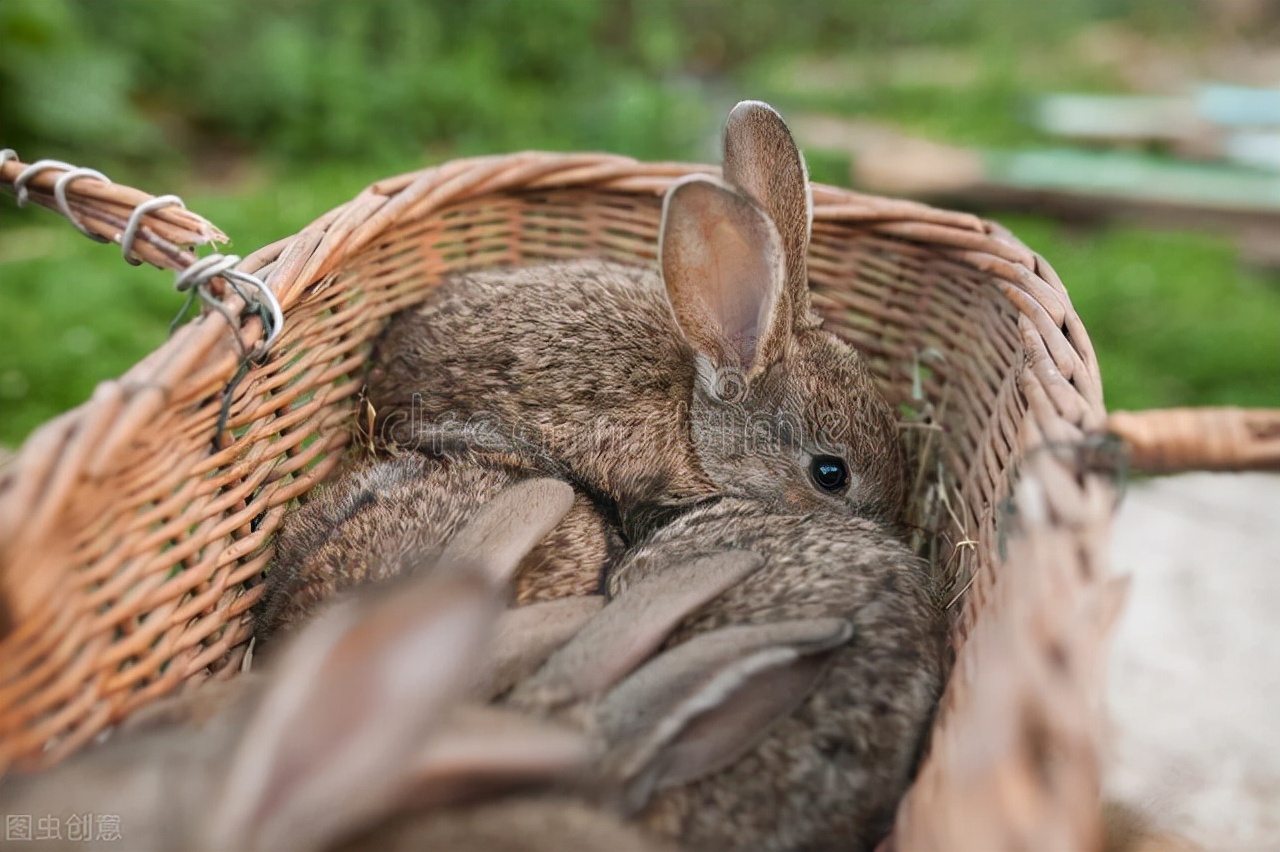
[325,742]
[824,748]
[653,717]
[362,735]
[376,516]
[660,392]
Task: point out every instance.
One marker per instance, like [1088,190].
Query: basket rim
[1065,365]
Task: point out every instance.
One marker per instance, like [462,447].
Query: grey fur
[829,775]
[370,521]
[629,631]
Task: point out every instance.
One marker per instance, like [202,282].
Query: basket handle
[1184,439]
[160,231]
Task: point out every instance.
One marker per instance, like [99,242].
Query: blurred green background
[263,114]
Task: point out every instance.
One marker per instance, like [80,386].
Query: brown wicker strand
[102,209]
[1014,763]
[1181,439]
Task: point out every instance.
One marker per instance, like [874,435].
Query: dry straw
[133,529]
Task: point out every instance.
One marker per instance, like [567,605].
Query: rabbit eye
[829,472]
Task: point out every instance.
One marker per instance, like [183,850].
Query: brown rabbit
[814,753]
[361,737]
[658,392]
[647,723]
[331,738]
[369,522]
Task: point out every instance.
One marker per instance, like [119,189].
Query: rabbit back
[378,519]
[574,363]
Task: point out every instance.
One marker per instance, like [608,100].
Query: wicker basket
[133,529]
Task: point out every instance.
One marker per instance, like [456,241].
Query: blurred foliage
[336,78]
[265,113]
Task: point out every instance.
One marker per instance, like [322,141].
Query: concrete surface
[1195,668]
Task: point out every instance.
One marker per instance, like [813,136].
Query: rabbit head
[781,410]
[664,719]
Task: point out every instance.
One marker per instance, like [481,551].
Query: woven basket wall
[129,548]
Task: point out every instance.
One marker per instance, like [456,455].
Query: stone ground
[1195,667]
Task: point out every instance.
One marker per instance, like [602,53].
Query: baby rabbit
[825,745]
[331,738]
[659,392]
[653,725]
[361,737]
[377,518]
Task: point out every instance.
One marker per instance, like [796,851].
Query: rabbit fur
[830,774]
[378,516]
[826,742]
[544,824]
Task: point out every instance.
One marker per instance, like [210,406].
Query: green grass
[66,321]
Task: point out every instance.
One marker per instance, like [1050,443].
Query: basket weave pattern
[128,549]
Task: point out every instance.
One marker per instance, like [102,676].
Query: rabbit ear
[486,750]
[527,635]
[696,708]
[723,267]
[632,627]
[507,527]
[333,738]
[761,159]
